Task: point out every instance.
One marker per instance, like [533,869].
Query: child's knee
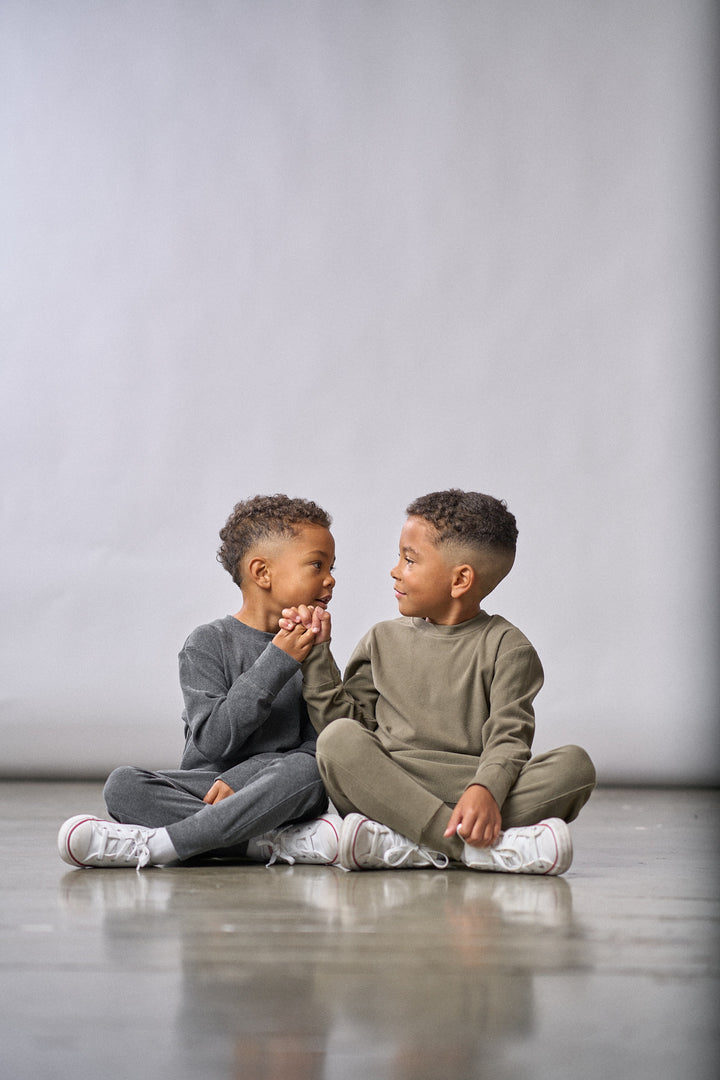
[340,739]
[580,765]
[118,786]
[578,780]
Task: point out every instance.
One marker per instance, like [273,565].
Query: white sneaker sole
[563,845]
[348,838]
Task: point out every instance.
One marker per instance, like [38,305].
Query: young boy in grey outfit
[425,744]
[249,767]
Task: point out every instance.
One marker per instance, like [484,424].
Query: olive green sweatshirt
[445,690]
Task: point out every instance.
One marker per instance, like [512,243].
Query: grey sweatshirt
[242,697]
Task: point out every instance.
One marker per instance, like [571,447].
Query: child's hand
[218,791]
[476,819]
[295,639]
[316,619]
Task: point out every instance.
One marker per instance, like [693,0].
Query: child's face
[423,576]
[302,568]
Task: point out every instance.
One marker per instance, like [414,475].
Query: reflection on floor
[308,973]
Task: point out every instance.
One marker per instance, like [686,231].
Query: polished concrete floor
[309,973]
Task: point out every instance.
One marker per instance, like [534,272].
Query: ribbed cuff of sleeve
[319,668]
[496,779]
[273,668]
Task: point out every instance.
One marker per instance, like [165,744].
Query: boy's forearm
[220,717]
[319,668]
[499,777]
[507,747]
[323,690]
[508,732]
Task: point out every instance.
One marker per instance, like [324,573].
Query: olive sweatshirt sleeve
[508,730]
[326,695]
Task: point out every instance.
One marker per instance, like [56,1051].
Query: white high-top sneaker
[85,840]
[368,845]
[313,841]
[545,848]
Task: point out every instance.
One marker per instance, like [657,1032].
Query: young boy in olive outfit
[424,747]
[248,772]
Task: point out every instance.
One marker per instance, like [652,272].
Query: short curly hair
[467,518]
[262,517]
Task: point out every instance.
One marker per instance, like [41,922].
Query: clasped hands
[302,627]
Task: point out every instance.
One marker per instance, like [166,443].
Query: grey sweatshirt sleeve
[221,718]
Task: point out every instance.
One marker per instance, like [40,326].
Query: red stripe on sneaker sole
[357,830]
[557,851]
[69,835]
[337,837]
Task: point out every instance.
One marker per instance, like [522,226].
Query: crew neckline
[456,630]
[250,629]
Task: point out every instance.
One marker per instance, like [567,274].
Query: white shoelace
[278,848]
[119,846]
[296,837]
[519,855]
[400,855]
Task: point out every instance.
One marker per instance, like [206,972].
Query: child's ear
[259,572]
[463,579]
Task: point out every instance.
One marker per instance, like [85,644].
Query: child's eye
[408,561]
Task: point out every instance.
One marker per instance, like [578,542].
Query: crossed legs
[361,776]
[276,789]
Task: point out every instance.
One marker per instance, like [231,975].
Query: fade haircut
[260,518]
[467,519]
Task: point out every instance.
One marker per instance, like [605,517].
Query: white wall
[357,251]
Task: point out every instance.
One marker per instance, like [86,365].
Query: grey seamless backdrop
[358,251]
